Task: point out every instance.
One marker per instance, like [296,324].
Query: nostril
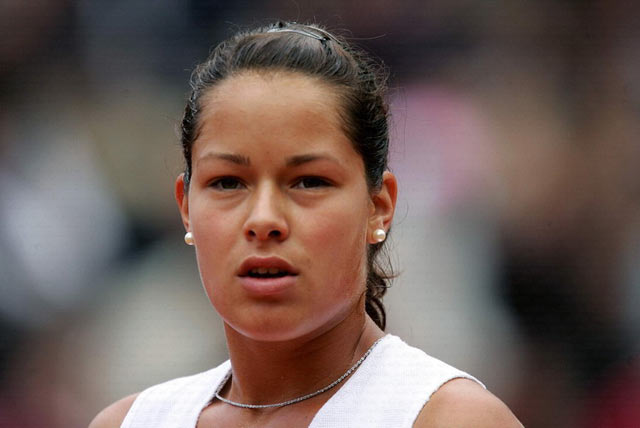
[275,233]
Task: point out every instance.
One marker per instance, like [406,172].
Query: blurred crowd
[517,237]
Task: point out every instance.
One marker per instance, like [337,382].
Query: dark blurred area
[515,139]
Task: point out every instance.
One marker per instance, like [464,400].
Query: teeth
[265,270]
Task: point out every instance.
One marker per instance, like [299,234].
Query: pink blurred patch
[441,140]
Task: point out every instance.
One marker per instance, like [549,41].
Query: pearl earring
[188,238]
[379,235]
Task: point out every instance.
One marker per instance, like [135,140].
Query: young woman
[287,200]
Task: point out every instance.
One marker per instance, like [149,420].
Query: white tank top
[387,391]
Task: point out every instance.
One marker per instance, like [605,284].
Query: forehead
[275,87]
[272,103]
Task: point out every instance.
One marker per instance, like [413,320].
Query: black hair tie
[323,39]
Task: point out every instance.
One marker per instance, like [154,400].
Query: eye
[226,183]
[311,183]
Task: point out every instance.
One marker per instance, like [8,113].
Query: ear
[183,201]
[384,205]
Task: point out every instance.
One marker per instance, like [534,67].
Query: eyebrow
[230,157]
[302,159]
[245,161]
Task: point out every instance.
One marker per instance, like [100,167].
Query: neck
[270,372]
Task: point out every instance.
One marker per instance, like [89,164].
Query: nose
[266,219]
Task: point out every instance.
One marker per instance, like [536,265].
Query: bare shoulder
[112,416]
[465,403]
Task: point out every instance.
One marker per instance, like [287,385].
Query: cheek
[209,228]
[339,235]
[215,232]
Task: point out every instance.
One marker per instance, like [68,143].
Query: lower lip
[267,286]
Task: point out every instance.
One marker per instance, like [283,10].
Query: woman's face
[279,207]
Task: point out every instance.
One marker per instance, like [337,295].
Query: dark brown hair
[313,51]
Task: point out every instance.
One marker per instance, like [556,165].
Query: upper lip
[256,262]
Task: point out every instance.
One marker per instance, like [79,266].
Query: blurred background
[517,238]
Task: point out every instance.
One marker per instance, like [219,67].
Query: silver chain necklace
[298,399]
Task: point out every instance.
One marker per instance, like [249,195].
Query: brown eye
[226,183]
[311,182]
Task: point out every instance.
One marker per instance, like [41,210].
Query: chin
[260,334]
[282,329]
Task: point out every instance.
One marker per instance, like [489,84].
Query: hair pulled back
[358,81]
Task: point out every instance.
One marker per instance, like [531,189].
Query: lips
[267,277]
[266,267]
